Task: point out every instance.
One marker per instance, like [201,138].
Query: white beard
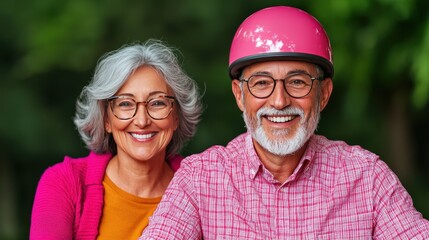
[281,145]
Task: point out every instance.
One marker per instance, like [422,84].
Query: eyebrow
[294,71]
[150,94]
[297,71]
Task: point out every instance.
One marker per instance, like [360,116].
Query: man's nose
[279,99]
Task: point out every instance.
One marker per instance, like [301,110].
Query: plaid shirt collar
[255,165]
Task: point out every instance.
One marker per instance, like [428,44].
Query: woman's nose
[142,118]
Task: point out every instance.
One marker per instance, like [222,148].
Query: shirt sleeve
[177,214]
[395,215]
[53,209]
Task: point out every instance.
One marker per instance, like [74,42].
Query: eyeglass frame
[110,101]
[320,78]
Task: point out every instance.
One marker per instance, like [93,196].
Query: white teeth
[142,136]
[280,119]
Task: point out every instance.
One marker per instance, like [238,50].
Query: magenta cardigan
[69,198]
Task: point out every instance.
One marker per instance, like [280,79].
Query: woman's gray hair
[113,70]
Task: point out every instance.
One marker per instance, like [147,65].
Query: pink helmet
[280,33]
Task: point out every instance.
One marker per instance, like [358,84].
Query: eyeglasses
[297,85]
[125,107]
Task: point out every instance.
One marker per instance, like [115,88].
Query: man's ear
[326,91]
[238,94]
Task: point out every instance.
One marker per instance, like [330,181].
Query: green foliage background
[48,50]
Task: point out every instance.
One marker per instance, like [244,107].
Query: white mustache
[273,111]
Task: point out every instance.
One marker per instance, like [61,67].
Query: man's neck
[280,166]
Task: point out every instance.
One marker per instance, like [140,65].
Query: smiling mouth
[280,119]
[142,136]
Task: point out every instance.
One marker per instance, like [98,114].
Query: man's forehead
[280,67]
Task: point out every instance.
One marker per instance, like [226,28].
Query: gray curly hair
[113,70]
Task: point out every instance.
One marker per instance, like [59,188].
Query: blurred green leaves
[48,50]
[420,66]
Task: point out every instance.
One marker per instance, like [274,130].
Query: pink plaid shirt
[336,192]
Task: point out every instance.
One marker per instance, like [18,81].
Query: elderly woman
[134,117]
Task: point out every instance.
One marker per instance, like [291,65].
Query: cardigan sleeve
[54,204]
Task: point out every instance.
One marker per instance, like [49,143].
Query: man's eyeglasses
[297,85]
[125,107]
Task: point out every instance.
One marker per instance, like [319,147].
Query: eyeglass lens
[296,85]
[124,107]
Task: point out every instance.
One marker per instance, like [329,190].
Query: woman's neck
[147,179]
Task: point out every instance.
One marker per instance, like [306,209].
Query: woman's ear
[107,126]
[238,93]
[176,121]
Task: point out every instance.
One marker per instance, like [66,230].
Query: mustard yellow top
[124,215]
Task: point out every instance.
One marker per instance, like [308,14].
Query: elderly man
[280,180]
